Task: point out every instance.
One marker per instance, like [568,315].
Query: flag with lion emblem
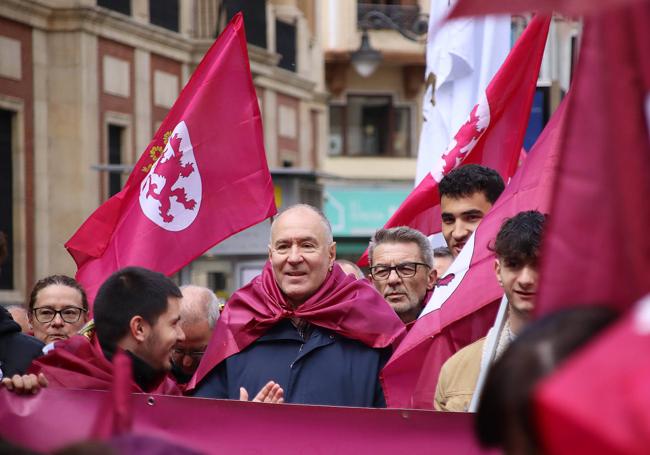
[203,177]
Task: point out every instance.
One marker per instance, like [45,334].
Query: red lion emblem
[445,280]
[171,170]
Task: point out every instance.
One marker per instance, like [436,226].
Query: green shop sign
[356,212]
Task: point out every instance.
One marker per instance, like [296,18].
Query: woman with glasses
[58,308]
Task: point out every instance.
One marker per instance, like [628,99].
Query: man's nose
[527,276]
[460,230]
[180,335]
[393,277]
[294,254]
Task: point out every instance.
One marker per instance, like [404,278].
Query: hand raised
[270,393]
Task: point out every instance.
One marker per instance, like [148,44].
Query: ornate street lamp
[411,25]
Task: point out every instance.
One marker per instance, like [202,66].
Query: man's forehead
[402,251]
[298,224]
[476,201]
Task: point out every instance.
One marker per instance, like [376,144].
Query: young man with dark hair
[466,194]
[517,249]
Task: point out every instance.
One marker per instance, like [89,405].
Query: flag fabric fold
[571,7]
[597,238]
[202,178]
[463,307]
[576,411]
[597,248]
[492,135]
[462,57]
[343,304]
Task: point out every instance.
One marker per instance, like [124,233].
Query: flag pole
[490,352]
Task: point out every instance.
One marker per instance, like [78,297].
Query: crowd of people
[310,329]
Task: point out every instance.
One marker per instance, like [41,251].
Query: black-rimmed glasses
[178,354]
[69,314]
[403,270]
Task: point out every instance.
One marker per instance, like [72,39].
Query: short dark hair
[469,179]
[62,280]
[129,292]
[506,404]
[519,238]
[442,252]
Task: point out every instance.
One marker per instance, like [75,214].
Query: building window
[217,281]
[164,13]
[254,12]
[370,126]
[121,6]
[6,197]
[285,45]
[115,146]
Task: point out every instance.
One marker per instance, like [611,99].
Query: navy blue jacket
[17,350]
[327,369]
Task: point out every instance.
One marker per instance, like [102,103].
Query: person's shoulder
[25,342]
[468,354]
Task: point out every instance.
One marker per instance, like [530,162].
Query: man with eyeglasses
[401,269]
[199,314]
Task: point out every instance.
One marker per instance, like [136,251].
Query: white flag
[463,55]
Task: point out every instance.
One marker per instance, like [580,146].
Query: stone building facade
[84,84]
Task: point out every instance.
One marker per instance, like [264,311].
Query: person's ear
[139,328]
[433,277]
[332,253]
[497,271]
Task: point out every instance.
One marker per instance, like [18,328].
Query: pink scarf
[350,307]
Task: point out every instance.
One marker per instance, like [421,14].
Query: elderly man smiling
[321,334]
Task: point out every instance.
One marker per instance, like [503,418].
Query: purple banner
[57,417]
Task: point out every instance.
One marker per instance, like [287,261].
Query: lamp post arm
[375,19]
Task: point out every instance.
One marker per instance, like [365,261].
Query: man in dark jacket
[320,334]
[17,350]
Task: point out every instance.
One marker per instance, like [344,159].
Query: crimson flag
[597,248]
[464,304]
[202,178]
[599,400]
[573,7]
[492,136]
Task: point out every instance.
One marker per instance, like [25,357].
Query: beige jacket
[458,378]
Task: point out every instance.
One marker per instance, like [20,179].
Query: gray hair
[357,271]
[402,234]
[328,227]
[205,305]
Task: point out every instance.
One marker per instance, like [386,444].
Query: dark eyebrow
[472,212]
